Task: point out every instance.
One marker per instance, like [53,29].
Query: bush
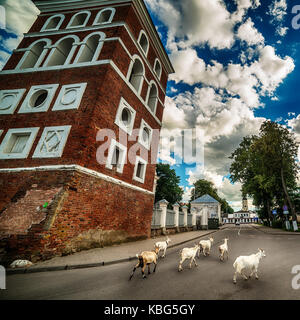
[277,224]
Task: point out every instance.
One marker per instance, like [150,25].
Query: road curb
[278,233]
[11,271]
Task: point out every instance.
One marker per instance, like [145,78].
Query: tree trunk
[287,196]
[269,211]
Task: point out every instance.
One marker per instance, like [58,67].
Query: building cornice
[59,5]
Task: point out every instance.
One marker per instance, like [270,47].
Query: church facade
[81,107]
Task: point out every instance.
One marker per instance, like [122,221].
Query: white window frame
[18,94]
[118,121]
[142,32]
[144,162]
[40,59]
[148,96]
[112,10]
[62,18]
[59,103]
[63,141]
[26,108]
[33,133]
[135,57]
[111,150]
[144,124]
[97,51]
[69,26]
[155,62]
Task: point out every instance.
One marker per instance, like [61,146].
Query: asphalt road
[212,279]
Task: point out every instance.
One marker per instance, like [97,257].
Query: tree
[266,166]
[168,184]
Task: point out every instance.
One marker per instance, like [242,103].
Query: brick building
[81,106]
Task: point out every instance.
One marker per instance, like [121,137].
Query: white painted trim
[112,14]
[144,124]
[62,17]
[98,49]
[33,133]
[118,121]
[88,14]
[154,67]
[78,168]
[50,88]
[142,32]
[148,96]
[62,143]
[61,105]
[144,162]
[18,93]
[28,51]
[133,59]
[111,150]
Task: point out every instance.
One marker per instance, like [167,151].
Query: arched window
[136,74]
[62,52]
[53,23]
[91,48]
[143,42]
[157,68]
[105,16]
[80,19]
[152,97]
[34,54]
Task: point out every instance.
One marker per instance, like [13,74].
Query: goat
[223,248]
[162,245]
[205,246]
[251,263]
[188,253]
[145,258]
[21,264]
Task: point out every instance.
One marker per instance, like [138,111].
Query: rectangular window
[116,156]
[140,170]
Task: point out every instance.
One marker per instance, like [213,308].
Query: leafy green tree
[168,184]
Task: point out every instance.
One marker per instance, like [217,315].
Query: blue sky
[236,63]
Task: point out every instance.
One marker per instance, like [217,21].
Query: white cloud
[278,10]
[248,33]
[282,31]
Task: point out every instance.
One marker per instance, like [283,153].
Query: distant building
[243,216]
[206,207]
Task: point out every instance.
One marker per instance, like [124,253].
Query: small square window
[17,143]
[9,100]
[140,170]
[52,142]
[145,135]
[38,98]
[69,97]
[125,116]
[116,156]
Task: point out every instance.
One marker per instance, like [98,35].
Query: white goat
[205,246]
[21,264]
[188,253]
[145,258]
[162,245]
[243,263]
[223,248]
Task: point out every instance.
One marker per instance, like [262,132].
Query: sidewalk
[109,255]
[274,231]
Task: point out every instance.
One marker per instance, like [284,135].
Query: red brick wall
[85,205]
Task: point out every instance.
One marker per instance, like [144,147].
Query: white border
[79,87]
[62,18]
[142,32]
[18,96]
[69,26]
[152,82]
[33,132]
[118,121]
[144,124]
[144,162]
[26,108]
[133,59]
[57,154]
[112,14]
[160,70]
[112,146]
